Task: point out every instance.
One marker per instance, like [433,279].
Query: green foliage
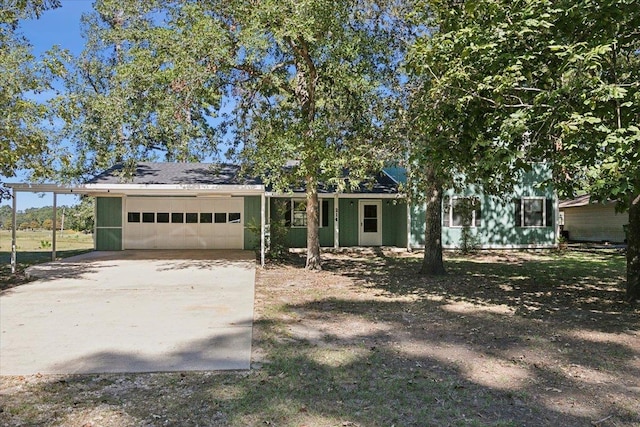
[505,83]
[313,83]
[308,83]
[78,217]
[147,83]
[513,82]
[25,142]
[278,231]
[469,241]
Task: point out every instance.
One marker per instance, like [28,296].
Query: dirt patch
[504,339]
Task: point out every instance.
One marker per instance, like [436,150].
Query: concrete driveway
[131,311]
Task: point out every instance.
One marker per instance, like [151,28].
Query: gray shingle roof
[216,174]
[177,173]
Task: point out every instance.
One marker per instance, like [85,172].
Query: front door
[370,223]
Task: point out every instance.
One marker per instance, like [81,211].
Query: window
[461,212]
[234,217]
[133,217]
[148,217]
[370,219]
[220,217]
[296,213]
[177,217]
[534,212]
[162,217]
[299,213]
[191,218]
[206,218]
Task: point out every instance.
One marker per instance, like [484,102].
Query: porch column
[336,221]
[262,228]
[408,226]
[14,246]
[55,226]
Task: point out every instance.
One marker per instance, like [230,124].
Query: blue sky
[59,27]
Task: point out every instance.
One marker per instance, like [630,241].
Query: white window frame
[473,212]
[523,201]
[290,212]
[293,210]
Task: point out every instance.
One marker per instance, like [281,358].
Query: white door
[184,223]
[370,222]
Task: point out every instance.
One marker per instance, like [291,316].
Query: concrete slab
[131,311]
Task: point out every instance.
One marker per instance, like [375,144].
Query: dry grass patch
[505,339]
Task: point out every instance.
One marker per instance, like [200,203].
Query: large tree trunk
[633,251]
[432,263]
[313,226]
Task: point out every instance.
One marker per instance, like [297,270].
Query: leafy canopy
[509,82]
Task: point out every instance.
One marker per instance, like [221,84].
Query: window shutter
[325,213]
[288,213]
[518,206]
[446,208]
[549,213]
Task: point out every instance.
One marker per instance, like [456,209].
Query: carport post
[336,221]
[55,225]
[14,246]
[262,228]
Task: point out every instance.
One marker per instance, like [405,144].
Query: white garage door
[184,223]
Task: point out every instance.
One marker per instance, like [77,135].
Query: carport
[167,206]
[131,311]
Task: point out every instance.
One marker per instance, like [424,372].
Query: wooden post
[262,228]
[55,225]
[14,247]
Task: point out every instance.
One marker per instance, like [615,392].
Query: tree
[145,85]
[305,84]
[47,224]
[80,217]
[311,87]
[542,80]
[24,141]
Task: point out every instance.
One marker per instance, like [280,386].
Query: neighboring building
[209,206]
[586,221]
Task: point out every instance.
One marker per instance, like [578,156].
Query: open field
[37,241]
[35,247]
[505,339]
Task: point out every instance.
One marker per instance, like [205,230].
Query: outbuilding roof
[583,200]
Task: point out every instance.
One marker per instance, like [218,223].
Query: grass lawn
[34,247]
[505,339]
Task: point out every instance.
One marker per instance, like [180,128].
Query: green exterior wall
[252,222]
[297,236]
[109,239]
[348,217]
[108,223]
[499,228]
[394,223]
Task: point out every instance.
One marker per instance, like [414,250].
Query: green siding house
[212,206]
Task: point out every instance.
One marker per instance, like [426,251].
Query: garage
[183,223]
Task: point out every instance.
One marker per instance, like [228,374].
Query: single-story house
[212,206]
[585,221]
